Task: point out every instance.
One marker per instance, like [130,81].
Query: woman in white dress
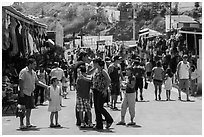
[53,97]
[168,83]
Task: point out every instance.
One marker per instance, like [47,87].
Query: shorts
[149,73]
[115,88]
[28,101]
[184,84]
[157,82]
[83,105]
[138,83]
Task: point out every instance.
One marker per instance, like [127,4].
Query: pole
[133,22]
[195,46]
[170,19]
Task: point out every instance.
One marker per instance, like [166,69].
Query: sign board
[91,41]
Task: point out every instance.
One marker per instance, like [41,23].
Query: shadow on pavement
[143,101]
[135,126]
[187,101]
[29,129]
[99,130]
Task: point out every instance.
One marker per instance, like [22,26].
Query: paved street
[152,118]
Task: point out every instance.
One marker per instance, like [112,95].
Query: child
[64,87]
[83,85]
[20,112]
[53,96]
[168,83]
[129,98]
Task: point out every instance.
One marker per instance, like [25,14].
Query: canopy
[148,33]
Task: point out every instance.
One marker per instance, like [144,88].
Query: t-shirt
[128,89]
[184,70]
[29,80]
[138,71]
[158,73]
[83,88]
[58,72]
[115,74]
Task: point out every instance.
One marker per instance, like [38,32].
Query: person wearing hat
[115,73]
[184,75]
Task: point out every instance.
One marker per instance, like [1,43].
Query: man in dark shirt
[139,73]
[114,72]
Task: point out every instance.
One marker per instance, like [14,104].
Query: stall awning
[190,32]
[18,15]
[149,32]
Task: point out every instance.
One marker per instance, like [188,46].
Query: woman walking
[101,81]
[157,76]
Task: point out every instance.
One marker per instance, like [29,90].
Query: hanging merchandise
[19,38]
[14,42]
[5,30]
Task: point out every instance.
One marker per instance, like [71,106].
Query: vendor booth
[21,37]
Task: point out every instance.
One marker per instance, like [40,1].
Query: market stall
[21,37]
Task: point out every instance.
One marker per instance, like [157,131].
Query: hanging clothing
[23,34]
[19,39]
[13,37]
[5,32]
[30,43]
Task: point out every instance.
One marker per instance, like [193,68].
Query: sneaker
[131,124]
[23,127]
[83,125]
[121,123]
[57,125]
[52,125]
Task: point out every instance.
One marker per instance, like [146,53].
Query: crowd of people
[100,78]
[98,81]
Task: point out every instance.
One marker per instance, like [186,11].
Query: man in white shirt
[184,76]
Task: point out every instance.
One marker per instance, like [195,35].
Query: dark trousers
[39,90]
[99,101]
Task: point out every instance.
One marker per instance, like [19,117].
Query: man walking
[183,76]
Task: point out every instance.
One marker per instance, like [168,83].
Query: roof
[181,18]
[13,12]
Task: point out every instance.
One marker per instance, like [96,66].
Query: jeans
[99,101]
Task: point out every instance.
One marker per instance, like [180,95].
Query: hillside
[78,16]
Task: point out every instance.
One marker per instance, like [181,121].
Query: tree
[175,9]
